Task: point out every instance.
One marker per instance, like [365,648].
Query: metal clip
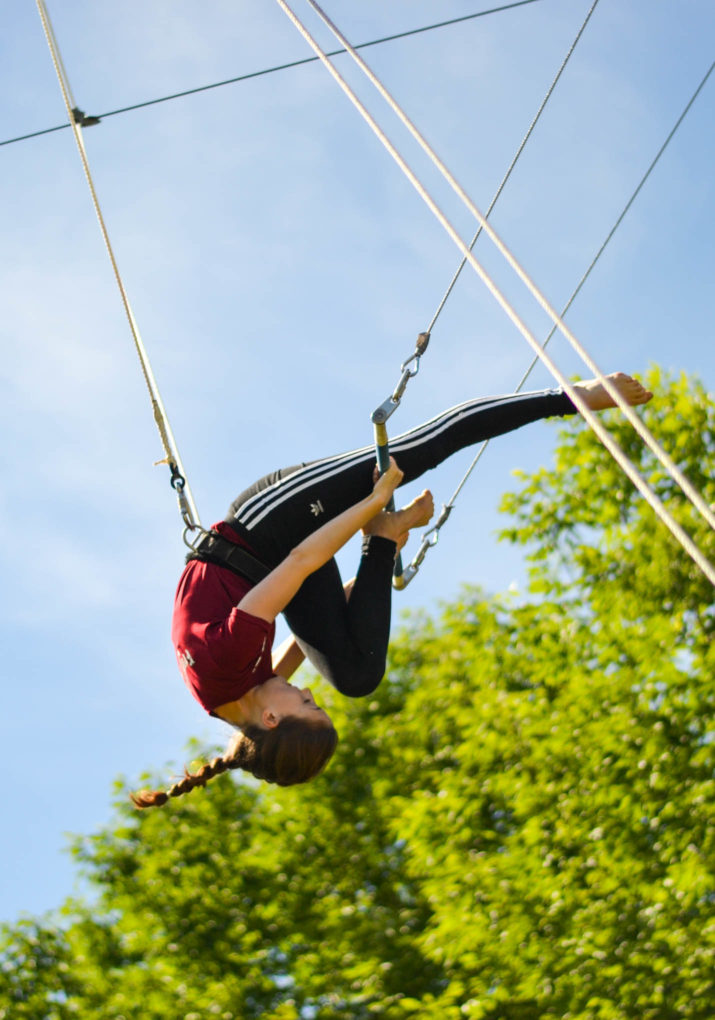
[191,543]
[429,539]
[420,348]
[401,577]
[82,119]
[389,406]
[447,509]
[177,480]
[382,413]
[178,483]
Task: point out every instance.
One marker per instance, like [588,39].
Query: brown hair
[292,752]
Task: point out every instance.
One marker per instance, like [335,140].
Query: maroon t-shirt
[222,651]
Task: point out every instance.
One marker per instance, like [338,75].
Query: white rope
[56,55]
[671,467]
[515,160]
[431,536]
[590,268]
[678,532]
[189,511]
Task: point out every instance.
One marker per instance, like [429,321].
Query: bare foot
[598,399]
[396,524]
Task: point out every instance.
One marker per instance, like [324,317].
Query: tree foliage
[518,825]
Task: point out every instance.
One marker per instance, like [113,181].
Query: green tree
[518,825]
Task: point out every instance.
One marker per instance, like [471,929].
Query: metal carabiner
[178,484]
[197,538]
[408,373]
[389,406]
[429,539]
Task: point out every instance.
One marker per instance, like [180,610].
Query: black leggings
[346,641]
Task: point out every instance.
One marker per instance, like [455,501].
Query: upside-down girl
[274,553]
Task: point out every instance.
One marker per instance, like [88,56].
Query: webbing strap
[214,548]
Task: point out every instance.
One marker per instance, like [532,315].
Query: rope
[670,466]
[403,576]
[678,532]
[57,58]
[391,404]
[272,70]
[513,163]
[178,478]
[431,536]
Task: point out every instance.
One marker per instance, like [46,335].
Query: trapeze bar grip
[382,451]
[413,569]
[400,577]
[447,509]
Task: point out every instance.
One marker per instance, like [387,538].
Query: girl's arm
[287,657]
[274,592]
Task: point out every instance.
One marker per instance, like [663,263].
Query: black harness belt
[213,548]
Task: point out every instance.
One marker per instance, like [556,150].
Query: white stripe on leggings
[255,509]
[326,467]
[278,491]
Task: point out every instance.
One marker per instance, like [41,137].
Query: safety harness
[214,548]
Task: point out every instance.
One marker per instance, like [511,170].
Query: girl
[274,553]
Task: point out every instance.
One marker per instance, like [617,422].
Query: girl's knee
[357,680]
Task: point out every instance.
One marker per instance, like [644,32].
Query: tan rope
[614,449]
[648,438]
[515,160]
[172,458]
[431,536]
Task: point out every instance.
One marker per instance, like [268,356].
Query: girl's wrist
[378,502]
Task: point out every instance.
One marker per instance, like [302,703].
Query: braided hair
[292,752]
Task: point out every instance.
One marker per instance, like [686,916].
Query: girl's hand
[387,483]
[273,593]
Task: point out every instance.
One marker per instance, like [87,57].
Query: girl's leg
[347,641]
[428,445]
[280,510]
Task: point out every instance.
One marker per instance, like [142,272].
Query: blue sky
[280,267]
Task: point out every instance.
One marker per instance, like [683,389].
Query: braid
[292,752]
[155,798]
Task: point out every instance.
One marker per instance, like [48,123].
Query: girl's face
[282,699]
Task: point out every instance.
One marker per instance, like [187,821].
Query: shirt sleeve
[239,643]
